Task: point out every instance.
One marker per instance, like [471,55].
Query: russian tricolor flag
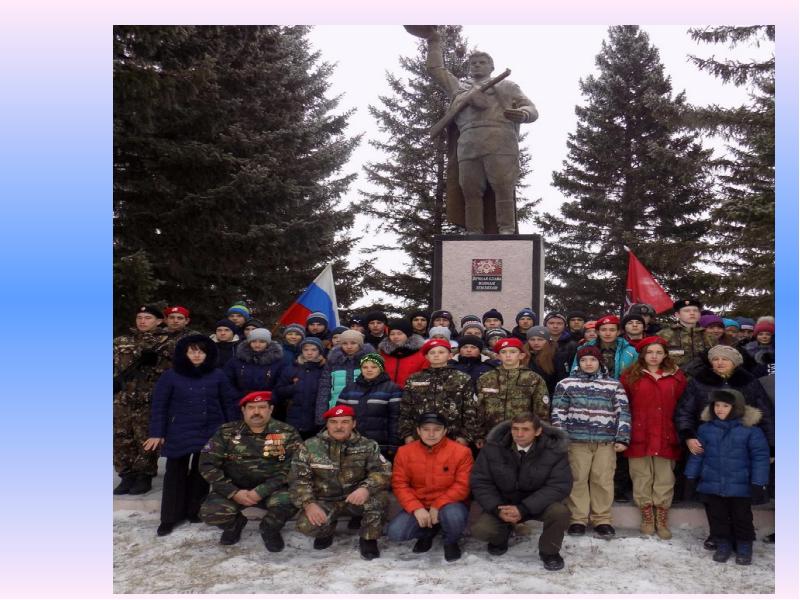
[320,296]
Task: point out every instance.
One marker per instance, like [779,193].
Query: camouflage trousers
[131,429]
[221,511]
[373,513]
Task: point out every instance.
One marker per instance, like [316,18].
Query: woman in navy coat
[190,402]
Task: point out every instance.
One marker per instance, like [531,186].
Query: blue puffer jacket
[298,386]
[340,370]
[190,403]
[251,371]
[736,454]
[377,406]
[624,356]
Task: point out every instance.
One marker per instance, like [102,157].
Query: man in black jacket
[523,473]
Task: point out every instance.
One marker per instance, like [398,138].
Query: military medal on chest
[273,446]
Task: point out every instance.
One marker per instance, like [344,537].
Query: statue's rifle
[463,99]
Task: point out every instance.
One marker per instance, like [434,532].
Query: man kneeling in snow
[523,473]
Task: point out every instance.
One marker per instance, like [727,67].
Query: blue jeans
[452,517]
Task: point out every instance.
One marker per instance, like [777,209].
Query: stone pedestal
[473,273]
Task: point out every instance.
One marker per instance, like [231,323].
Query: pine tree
[745,217]
[227,160]
[410,201]
[637,179]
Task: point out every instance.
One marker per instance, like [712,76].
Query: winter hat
[471,340]
[171,310]
[631,317]
[494,332]
[429,344]
[419,313]
[607,320]
[373,357]
[226,323]
[431,417]
[240,309]
[708,320]
[728,396]
[375,315]
[317,317]
[538,331]
[527,312]
[729,352]
[340,410]
[314,341]
[554,315]
[478,324]
[653,339]
[256,323]
[679,304]
[441,313]
[589,350]
[470,319]
[576,314]
[150,309]
[766,319]
[260,334]
[357,320]
[445,331]
[338,330]
[297,328]
[745,323]
[764,326]
[590,325]
[492,313]
[705,312]
[256,397]
[642,309]
[401,325]
[509,342]
[351,335]
[731,323]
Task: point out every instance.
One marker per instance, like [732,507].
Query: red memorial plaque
[487,274]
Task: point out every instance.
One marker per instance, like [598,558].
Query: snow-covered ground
[192,560]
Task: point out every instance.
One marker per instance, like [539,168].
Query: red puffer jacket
[403,360]
[652,404]
[425,477]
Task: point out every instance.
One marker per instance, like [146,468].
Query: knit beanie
[441,313]
[471,340]
[492,313]
[554,315]
[494,332]
[375,315]
[401,325]
[255,323]
[296,328]
[418,313]
[314,341]
[589,350]
[468,319]
[730,323]
[351,335]
[576,314]
[317,317]
[357,320]
[445,331]
[260,334]
[729,352]
[527,312]
[338,330]
[477,324]
[708,320]
[745,323]
[373,357]
[226,323]
[239,308]
[538,331]
[764,326]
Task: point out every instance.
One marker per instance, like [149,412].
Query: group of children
[612,384]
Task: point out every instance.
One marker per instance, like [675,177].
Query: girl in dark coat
[541,357]
[256,366]
[190,402]
[298,387]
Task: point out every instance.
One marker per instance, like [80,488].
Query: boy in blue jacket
[731,473]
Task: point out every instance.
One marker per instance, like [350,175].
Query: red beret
[653,339]
[607,320]
[256,397]
[511,342]
[433,344]
[340,410]
[176,309]
[589,350]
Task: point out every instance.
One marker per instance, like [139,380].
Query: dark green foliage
[410,201]
[227,159]
[636,178]
[745,217]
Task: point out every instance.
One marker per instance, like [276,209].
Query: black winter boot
[142,485]
[744,552]
[368,549]
[552,562]
[124,486]
[273,540]
[710,543]
[321,543]
[723,551]
[233,533]
[452,552]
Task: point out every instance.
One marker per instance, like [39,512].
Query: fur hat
[642,309]
[729,352]
[631,317]
[728,396]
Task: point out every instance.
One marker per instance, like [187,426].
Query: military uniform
[505,393]
[326,471]
[139,360]
[446,391]
[686,344]
[236,458]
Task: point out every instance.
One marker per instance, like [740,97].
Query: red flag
[642,288]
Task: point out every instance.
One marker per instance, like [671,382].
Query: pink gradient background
[56,111]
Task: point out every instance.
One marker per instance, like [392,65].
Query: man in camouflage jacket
[509,390]
[246,464]
[686,339]
[440,389]
[140,358]
[339,472]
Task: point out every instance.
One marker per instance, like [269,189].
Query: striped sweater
[591,408]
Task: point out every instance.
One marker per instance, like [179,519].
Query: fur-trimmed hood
[551,438]
[337,357]
[750,416]
[181,363]
[246,354]
[300,361]
[407,348]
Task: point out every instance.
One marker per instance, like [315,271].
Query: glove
[148,358]
[689,489]
[758,494]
